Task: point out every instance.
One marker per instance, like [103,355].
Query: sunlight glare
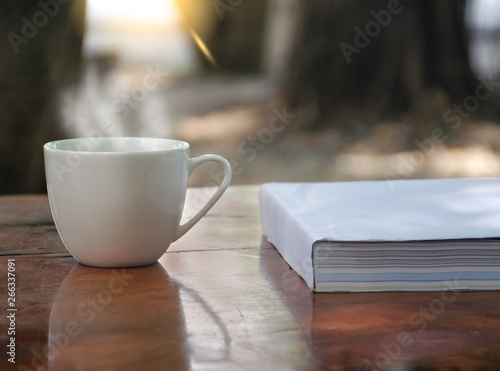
[157,11]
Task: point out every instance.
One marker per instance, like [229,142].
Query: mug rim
[51,146]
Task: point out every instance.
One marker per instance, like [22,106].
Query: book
[404,235]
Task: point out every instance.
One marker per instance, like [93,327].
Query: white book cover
[296,216]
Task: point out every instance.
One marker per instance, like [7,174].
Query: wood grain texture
[222,298]
[452,330]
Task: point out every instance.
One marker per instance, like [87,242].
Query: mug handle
[193,164]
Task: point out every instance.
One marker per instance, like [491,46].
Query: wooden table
[220,298]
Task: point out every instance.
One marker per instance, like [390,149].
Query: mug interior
[117,145]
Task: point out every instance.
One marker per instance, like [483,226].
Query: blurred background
[286,90]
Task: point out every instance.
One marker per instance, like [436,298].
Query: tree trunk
[41,51]
[378,54]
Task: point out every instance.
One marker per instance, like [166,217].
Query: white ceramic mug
[118,202]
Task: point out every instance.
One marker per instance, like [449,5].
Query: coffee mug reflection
[117,319]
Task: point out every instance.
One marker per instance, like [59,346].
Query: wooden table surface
[221,298]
